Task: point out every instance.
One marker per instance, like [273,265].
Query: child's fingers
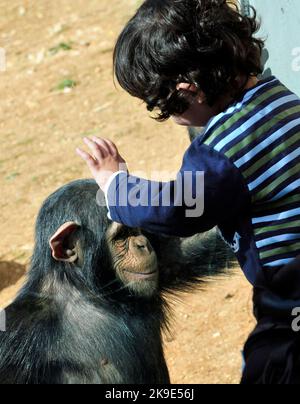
[102,144]
[98,151]
[91,162]
[112,147]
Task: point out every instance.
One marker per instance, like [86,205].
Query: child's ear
[63,245]
[187,87]
[192,89]
[201,97]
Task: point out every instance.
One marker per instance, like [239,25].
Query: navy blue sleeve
[205,193]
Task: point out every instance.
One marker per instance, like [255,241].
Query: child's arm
[137,202]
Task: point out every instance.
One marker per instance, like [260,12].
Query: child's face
[197,115]
[199,112]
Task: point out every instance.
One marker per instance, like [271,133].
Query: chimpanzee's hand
[104,161]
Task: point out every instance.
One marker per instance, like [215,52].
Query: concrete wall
[281,27]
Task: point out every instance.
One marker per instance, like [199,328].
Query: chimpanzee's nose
[141,243]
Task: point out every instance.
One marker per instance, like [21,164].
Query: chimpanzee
[93,308]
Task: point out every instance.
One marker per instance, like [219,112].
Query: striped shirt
[261,136]
[250,155]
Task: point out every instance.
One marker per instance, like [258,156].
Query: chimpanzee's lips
[143,275]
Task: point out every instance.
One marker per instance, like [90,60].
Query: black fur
[74,325]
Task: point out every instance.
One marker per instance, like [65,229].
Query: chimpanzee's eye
[121,235]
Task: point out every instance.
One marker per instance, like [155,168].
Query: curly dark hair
[204,42]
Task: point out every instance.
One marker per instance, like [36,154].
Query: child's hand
[104,161]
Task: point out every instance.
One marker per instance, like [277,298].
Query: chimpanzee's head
[75,239]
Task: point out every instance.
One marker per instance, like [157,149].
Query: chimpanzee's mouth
[142,275]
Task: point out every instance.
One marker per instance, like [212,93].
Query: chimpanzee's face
[93,244]
[133,259]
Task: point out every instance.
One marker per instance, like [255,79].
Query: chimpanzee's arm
[186,262]
[183,207]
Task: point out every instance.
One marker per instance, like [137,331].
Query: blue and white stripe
[274,169]
[250,124]
[280,133]
[278,239]
[277,217]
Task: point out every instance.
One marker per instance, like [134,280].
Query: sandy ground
[46,44]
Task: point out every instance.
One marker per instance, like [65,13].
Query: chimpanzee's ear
[62,243]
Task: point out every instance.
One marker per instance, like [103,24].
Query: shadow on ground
[10,273]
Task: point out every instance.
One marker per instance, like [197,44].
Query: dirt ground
[63,43]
